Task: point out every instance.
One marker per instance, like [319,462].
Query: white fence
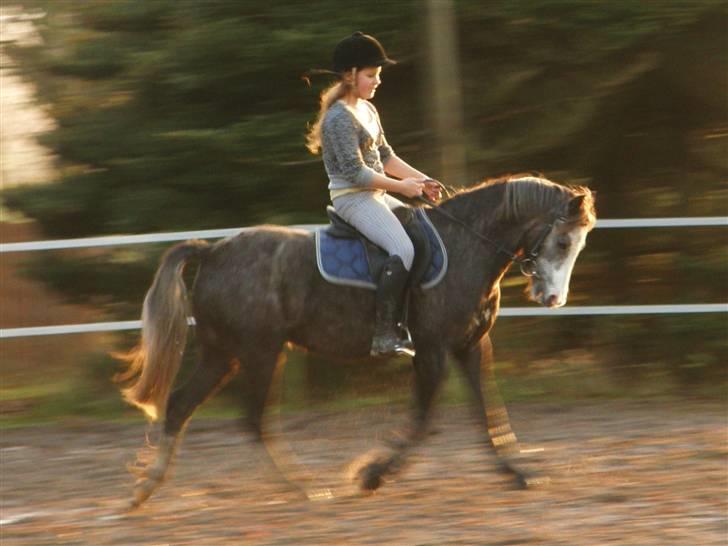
[119,240]
[720,221]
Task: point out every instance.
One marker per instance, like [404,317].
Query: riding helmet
[359,51]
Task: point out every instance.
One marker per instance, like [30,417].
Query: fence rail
[89,242]
[120,240]
[586,310]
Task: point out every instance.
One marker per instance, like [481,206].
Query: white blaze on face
[555,265]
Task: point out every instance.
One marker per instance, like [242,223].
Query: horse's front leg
[491,410]
[429,367]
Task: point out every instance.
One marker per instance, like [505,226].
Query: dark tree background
[177,115]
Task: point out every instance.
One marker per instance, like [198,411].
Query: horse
[258,291]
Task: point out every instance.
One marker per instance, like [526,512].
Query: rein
[526,263]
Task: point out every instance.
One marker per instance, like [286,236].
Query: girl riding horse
[362,169]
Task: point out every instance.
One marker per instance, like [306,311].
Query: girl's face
[367,81]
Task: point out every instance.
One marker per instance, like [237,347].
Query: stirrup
[399,346]
[408,347]
[396,350]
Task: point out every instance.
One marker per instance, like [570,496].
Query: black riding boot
[391,337]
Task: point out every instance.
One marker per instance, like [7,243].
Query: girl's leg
[391,202]
[371,214]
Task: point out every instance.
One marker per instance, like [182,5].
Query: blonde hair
[329,96]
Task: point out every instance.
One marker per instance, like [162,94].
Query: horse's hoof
[142,491]
[531,481]
[534,481]
[370,477]
[138,498]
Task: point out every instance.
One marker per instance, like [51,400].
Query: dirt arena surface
[621,473]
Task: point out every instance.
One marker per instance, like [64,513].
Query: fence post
[445,90]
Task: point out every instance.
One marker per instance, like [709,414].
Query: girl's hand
[411,187]
[433,190]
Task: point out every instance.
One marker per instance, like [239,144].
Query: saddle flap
[413,226]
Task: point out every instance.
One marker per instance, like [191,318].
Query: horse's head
[535,222]
[555,244]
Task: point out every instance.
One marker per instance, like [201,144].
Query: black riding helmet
[358,51]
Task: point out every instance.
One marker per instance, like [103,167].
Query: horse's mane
[526,195]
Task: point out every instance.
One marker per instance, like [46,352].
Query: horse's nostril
[552,300]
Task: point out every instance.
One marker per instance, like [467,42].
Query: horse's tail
[154,363]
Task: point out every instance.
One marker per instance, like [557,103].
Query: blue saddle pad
[345,261]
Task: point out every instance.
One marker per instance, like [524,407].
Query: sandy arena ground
[621,473]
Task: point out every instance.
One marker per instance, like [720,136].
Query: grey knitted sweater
[351,156]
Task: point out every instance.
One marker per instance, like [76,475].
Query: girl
[362,169]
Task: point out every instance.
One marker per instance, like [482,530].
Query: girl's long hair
[337,90]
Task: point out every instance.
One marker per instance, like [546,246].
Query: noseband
[527,262]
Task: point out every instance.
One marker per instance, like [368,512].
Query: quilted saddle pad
[349,261]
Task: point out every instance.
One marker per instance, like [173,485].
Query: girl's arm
[398,167]
[409,186]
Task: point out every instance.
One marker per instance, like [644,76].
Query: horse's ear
[575,205]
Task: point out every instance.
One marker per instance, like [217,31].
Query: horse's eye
[563,245]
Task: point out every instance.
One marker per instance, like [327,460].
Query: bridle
[526,262]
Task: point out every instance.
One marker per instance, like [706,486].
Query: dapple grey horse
[259,290]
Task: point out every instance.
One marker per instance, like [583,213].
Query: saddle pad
[345,261]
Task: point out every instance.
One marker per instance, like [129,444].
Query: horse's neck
[478,209]
[484,210]
[476,259]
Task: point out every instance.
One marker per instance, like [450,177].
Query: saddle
[345,256]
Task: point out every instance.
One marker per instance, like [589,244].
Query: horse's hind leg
[260,370]
[214,369]
[263,371]
[493,414]
[429,365]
